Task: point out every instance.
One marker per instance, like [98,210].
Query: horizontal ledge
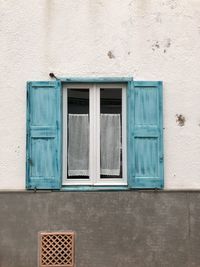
[96,79]
[95,188]
[99,189]
[41,83]
[147,83]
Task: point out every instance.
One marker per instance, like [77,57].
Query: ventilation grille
[56,249]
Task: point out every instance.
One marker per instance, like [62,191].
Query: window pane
[78,134]
[111,133]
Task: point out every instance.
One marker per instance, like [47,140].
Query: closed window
[94,134]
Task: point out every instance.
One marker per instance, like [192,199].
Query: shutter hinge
[30,162]
[156,189]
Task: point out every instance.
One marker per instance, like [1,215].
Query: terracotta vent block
[56,249]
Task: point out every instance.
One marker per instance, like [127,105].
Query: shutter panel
[145,135]
[43,135]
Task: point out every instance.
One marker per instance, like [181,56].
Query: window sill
[86,188]
[95,188]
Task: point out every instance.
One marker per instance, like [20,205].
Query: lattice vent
[56,249]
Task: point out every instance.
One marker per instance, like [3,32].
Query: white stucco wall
[148,39]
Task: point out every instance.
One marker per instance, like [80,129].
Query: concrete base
[113,229]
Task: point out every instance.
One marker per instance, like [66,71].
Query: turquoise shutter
[145,135]
[43,135]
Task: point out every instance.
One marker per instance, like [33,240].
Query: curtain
[78,145]
[110,144]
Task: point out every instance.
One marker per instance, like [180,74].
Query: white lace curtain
[78,144]
[110,144]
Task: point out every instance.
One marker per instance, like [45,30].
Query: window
[94,133]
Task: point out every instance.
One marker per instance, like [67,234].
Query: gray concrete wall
[113,229]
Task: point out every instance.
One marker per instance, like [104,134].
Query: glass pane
[111,133]
[78,134]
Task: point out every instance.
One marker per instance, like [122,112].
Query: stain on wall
[155,46]
[162,45]
[180,119]
[167,44]
[110,54]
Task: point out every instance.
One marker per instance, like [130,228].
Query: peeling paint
[155,46]
[110,54]
[164,44]
[167,44]
[180,119]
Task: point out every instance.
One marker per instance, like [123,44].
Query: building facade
[97,45]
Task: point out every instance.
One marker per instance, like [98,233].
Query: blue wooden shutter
[43,135]
[145,135]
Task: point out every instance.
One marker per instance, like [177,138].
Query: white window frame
[94,132]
